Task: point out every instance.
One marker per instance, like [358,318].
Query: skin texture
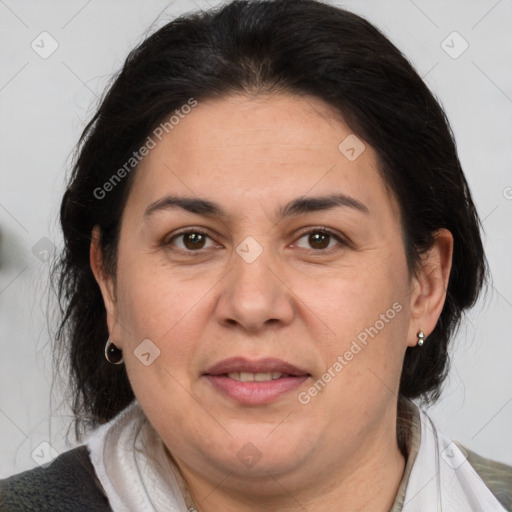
[297,301]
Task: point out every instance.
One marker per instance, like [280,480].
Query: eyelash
[319,229]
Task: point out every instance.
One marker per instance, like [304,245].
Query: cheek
[366,313]
[354,300]
[156,311]
[172,318]
[154,303]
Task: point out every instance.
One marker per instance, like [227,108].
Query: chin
[259,451]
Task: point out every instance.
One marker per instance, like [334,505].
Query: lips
[255,382]
[268,365]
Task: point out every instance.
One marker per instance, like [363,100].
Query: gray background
[45,104]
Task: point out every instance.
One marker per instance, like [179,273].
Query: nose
[255,296]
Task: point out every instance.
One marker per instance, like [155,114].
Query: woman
[269,242]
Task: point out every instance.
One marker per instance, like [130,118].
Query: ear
[105,282]
[428,291]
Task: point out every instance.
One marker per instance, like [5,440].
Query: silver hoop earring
[113,354]
[421,338]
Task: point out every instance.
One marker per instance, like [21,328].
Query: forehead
[256,150]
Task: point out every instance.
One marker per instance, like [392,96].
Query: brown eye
[191,241]
[319,239]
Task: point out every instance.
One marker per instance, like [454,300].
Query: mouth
[256,377]
[255,382]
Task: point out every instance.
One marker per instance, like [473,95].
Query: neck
[368,482]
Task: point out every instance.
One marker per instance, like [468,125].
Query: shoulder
[68,483]
[496,476]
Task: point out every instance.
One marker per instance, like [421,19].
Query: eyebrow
[297,206]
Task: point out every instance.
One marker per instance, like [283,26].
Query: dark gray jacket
[68,484]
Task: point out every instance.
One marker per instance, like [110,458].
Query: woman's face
[262,299]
